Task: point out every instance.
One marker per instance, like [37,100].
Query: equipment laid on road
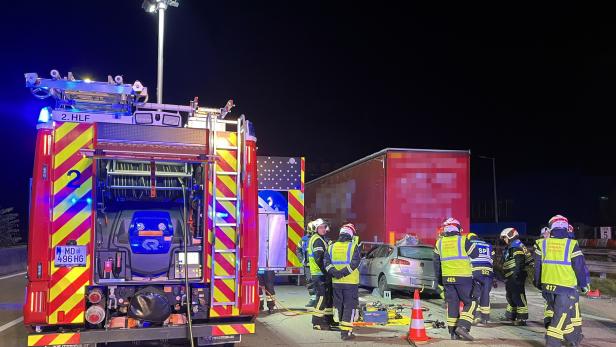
[394,192]
[143,218]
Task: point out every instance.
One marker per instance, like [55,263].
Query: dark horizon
[334,82]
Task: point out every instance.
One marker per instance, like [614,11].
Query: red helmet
[559,222]
[452,225]
[348,228]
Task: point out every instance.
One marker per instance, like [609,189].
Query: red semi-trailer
[395,192]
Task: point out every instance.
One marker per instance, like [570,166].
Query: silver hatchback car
[388,267]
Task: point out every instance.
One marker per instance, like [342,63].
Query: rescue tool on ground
[143,218]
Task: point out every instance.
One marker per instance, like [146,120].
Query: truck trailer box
[394,192]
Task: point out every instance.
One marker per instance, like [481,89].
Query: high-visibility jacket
[341,255]
[516,259]
[316,249]
[454,258]
[556,269]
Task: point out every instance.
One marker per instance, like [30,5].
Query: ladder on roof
[226,216]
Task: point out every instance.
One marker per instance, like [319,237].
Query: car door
[365,277]
[379,263]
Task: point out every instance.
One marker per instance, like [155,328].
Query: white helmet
[452,226]
[318,222]
[545,232]
[558,222]
[509,233]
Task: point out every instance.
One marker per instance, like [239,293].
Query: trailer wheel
[383,286]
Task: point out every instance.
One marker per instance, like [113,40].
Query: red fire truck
[144,218]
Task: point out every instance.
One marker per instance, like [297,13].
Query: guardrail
[601,267]
[13,259]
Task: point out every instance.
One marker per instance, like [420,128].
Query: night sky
[334,81]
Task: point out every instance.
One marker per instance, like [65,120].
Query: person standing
[341,262]
[483,276]
[516,259]
[560,270]
[452,267]
[321,281]
[302,255]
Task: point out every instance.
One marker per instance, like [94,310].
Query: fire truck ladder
[226,216]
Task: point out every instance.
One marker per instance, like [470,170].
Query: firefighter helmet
[472,236]
[545,232]
[509,234]
[558,222]
[451,226]
[348,228]
[320,222]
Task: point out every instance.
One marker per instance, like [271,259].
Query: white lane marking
[13,275]
[11,323]
[599,318]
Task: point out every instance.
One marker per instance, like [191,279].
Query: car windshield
[415,252]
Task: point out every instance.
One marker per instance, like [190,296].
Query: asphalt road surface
[293,328]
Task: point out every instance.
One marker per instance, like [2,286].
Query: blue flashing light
[222,215]
[44,115]
[89,201]
[73,200]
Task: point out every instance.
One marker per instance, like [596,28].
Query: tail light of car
[397,261]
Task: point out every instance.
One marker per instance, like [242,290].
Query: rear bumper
[406,282]
[207,334]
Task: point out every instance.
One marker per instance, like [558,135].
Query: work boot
[320,327]
[454,336]
[482,323]
[463,333]
[347,335]
[311,303]
[519,323]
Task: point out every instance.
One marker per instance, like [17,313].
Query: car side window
[381,252]
[387,251]
[372,253]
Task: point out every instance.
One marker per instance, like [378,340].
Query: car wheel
[383,286]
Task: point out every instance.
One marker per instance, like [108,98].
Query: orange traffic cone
[417,329]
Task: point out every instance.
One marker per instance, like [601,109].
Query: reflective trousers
[454,294]
[266,280]
[566,325]
[346,304]
[517,309]
[322,312]
[482,285]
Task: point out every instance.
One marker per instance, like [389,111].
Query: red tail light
[397,261]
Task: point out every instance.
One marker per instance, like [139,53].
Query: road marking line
[11,323]
[13,275]
[599,318]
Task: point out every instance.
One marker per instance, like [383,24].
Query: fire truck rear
[143,222]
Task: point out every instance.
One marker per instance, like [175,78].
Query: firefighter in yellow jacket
[321,280]
[342,262]
[560,271]
[452,267]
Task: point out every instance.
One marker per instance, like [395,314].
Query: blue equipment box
[379,317]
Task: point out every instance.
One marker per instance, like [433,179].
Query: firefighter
[560,269]
[266,283]
[483,276]
[342,261]
[452,266]
[321,281]
[302,255]
[516,258]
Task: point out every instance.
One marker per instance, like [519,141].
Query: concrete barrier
[13,259]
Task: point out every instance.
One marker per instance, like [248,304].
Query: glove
[494,283]
[586,289]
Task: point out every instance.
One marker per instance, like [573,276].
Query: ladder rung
[228,148]
[226,173]
[226,199]
[226,224]
[224,303]
[225,250]
[226,121]
[224,277]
